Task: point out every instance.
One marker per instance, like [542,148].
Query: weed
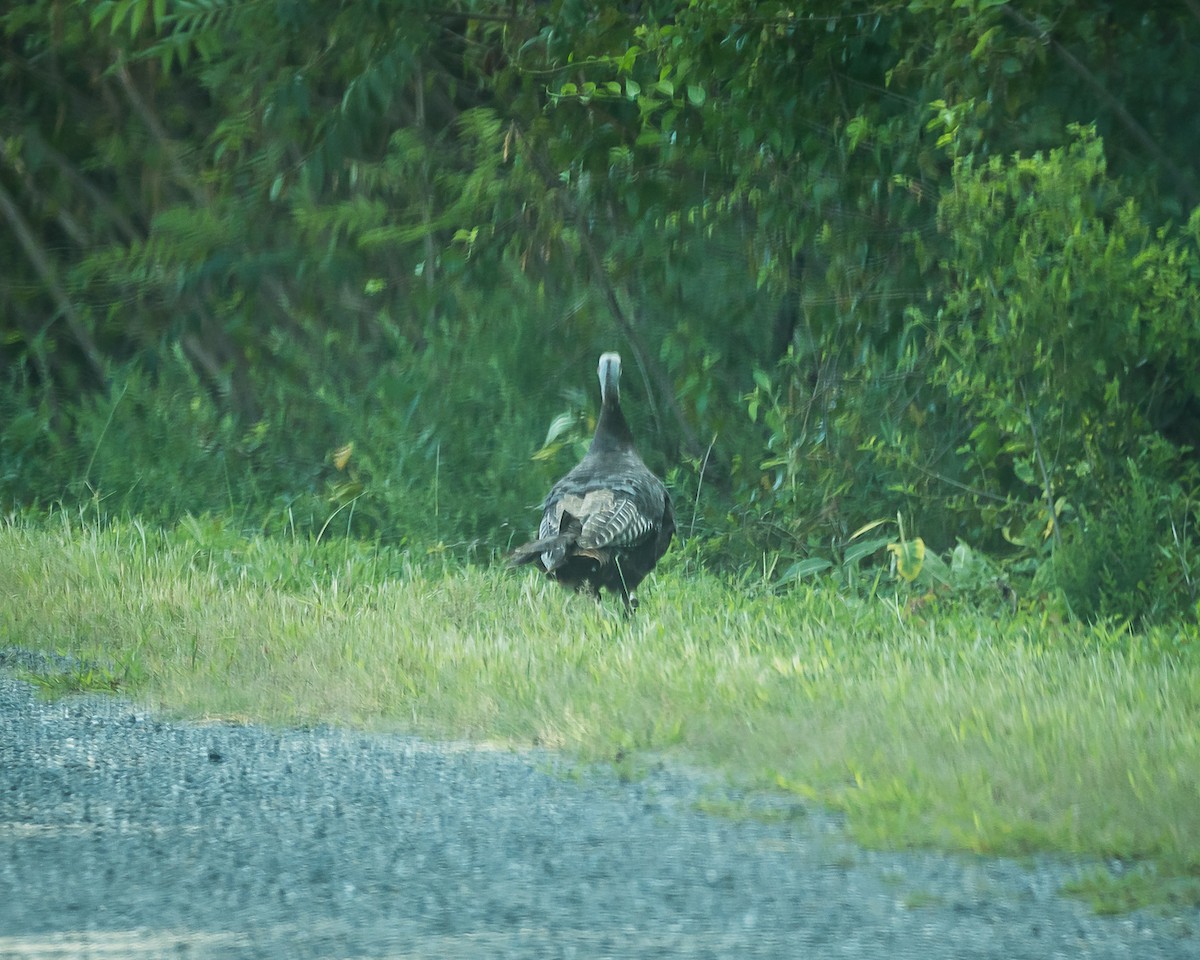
[79,680]
[1117,889]
[742,809]
[919,899]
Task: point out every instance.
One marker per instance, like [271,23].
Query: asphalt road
[126,835]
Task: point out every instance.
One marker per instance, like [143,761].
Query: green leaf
[139,15]
[120,12]
[856,129]
[648,137]
[984,39]
[863,548]
[696,94]
[805,568]
[101,11]
[547,452]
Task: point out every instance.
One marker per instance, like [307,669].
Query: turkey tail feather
[556,547]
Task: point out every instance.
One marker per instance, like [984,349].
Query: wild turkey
[607,522]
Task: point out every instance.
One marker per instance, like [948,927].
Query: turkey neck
[612,431]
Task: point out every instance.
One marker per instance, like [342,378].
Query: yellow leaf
[910,557]
[865,527]
[341,456]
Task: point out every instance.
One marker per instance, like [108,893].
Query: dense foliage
[337,267]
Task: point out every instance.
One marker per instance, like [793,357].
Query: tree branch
[45,269]
[1182,182]
[71,227]
[182,175]
[123,224]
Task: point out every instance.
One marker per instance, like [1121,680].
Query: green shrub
[1128,558]
[1068,335]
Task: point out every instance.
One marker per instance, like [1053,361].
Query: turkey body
[607,522]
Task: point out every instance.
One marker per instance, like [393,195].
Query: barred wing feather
[620,526]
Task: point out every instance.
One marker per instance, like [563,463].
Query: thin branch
[965,487]
[71,227]
[1182,183]
[123,224]
[182,175]
[700,486]
[1047,486]
[481,17]
[45,269]
[426,185]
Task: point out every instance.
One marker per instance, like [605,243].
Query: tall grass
[947,728]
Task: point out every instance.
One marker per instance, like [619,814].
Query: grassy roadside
[947,728]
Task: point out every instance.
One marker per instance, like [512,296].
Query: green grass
[943,728]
